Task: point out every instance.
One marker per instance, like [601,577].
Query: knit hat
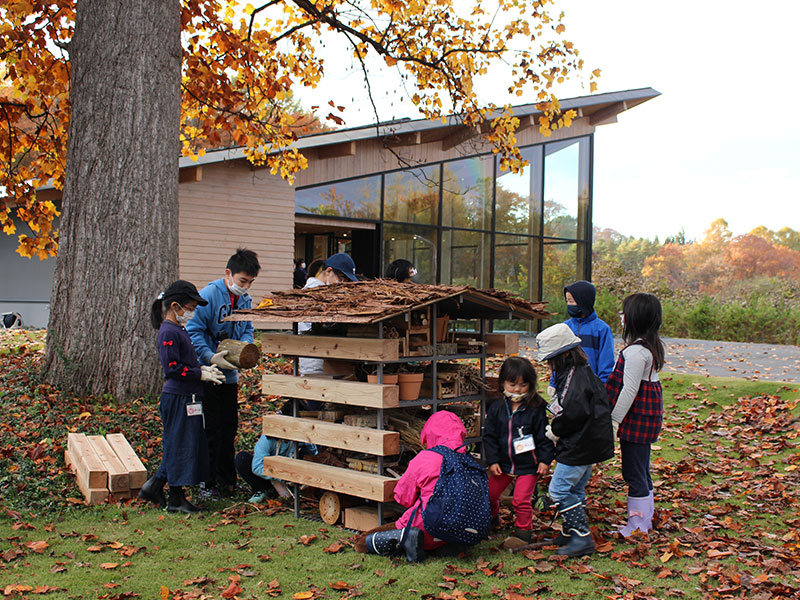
[556,340]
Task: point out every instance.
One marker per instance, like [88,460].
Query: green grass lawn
[727,499]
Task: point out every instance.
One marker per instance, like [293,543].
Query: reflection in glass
[356,198]
[516,269]
[417,244]
[465,257]
[518,202]
[566,188]
[412,196]
[467,193]
[561,268]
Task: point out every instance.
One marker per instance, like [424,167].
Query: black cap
[182,288]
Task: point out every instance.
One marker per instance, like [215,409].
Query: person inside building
[401,270]
[207,329]
[300,274]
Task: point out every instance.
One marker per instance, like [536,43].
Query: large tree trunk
[119,229]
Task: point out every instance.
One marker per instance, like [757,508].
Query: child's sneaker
[258,498]
[208,493]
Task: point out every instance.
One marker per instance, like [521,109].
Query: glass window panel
[416,244]
[412,196]
[518,196]
[356,199]
[560,269]
[516,269]
[465,257]
[565,188]
[467,193]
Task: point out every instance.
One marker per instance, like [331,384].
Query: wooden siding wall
[236,206]
[372,157]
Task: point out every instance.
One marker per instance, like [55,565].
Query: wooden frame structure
[453,304]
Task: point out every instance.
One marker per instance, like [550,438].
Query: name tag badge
[194,409]
[524,444]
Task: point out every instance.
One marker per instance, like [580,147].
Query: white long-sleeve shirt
[638,368]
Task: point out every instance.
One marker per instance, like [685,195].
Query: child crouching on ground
[515,443]
[581,430]
[414,490]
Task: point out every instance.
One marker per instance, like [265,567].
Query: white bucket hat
[555,340]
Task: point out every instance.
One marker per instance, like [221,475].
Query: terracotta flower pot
[410,384]
[387,379]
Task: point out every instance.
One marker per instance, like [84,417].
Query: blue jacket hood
[584,293]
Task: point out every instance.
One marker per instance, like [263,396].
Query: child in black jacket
[581,430]
[515,443]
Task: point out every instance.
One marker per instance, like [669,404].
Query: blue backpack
[458,511]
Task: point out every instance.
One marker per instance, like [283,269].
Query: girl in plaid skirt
[635,393]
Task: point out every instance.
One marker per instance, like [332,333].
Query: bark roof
[381,299]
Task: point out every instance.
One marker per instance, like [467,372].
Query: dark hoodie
[596,337]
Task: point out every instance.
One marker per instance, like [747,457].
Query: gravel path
[762,362]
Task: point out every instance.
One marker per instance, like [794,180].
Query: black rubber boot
[409,541]
[153,491]
[523,534]
[580,541]
[179,503]
[558,540]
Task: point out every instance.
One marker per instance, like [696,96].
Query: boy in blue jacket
[597,340]
[207,330]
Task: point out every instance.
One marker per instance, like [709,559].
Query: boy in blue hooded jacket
[597,340]
[207,329]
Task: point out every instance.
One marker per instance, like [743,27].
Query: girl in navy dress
[184,448]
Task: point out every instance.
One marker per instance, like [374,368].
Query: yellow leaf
[560,28]
[303,595]
[592,87]
[164,592]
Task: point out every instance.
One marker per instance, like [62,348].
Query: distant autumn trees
[708,265]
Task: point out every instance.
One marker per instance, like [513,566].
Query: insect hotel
[393,353]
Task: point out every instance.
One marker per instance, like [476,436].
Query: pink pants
[523,492]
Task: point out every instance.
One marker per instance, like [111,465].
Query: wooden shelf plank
[331,347]
[137,473]
[335,479]
[86,462]
[334,435]
[118,480]
[352,393]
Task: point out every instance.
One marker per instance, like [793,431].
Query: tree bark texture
[119,229]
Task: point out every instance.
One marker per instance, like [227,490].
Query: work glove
[212,374]
[219,360]
[548,432]
[615,426]
[551,391]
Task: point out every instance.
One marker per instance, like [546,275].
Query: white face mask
[235,289]
[511,396]
[185,317]
[622,322]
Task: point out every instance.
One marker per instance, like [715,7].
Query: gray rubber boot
[580,541]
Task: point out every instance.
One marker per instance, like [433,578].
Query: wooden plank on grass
[356,439]
[335,479]
[86,461]
[318,346]
[137,474]
[118,480]
[91,495]
[353,393]
[361,518]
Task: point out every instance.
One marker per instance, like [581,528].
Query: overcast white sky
[723,140]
